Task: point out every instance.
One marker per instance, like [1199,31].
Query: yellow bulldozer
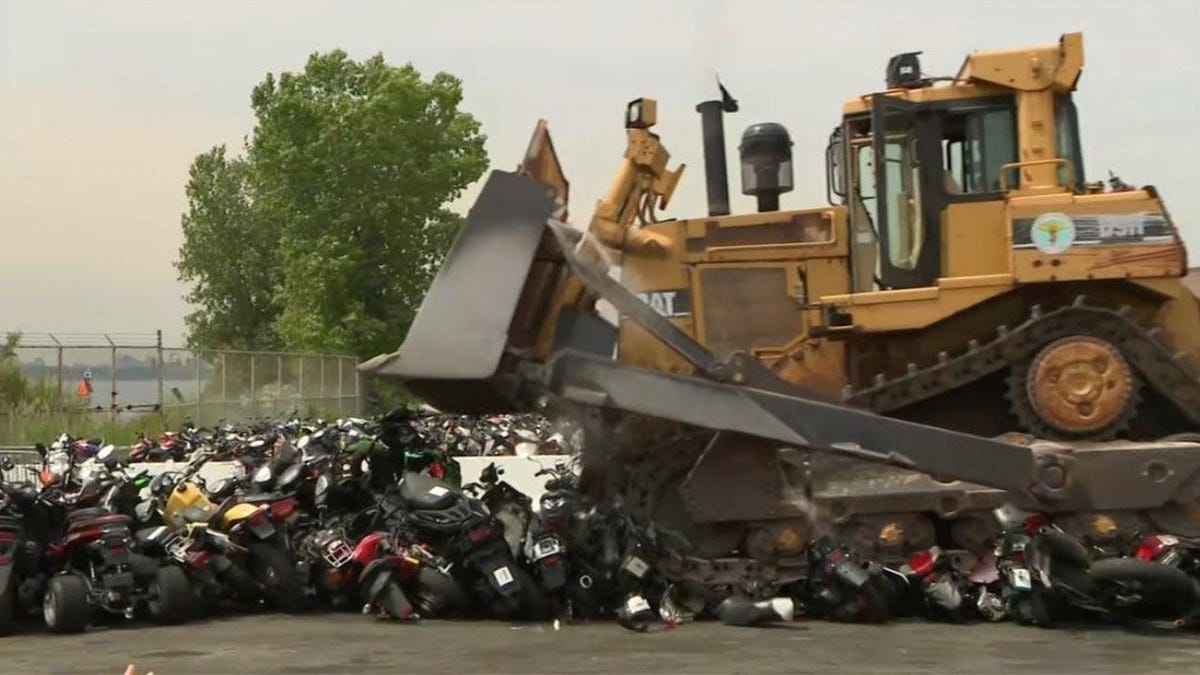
[969,322]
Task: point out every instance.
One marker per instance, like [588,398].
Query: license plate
[118,580]
[636,566]
[636,604]
[545,547]
[263,529]
[1021,580]
[503,576]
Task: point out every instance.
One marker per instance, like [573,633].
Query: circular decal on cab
[1052,232]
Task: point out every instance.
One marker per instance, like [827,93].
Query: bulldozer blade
[453,352]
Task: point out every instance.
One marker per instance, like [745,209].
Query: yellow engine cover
[237,513]
[187,504]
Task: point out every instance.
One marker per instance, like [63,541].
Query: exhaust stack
[716,172]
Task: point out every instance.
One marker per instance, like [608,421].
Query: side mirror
[321,490]
[41,450]
[6,463]
[108,456]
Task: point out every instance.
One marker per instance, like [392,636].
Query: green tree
[346,178]
[12,382]
[228,257]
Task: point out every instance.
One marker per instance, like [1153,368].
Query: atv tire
[438,595]
[65,608]
[172,598]
[273,569]
[8,607]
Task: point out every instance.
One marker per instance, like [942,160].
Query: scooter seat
[425,492]
[104,517]
[259,497]
[92,512]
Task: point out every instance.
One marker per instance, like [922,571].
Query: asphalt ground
[331,644]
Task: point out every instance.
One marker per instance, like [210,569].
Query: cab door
[906,161]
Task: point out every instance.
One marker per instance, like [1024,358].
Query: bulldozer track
[674,448]
[1164,370]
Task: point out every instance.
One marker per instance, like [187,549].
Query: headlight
[263,474]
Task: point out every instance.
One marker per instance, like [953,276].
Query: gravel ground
[332,644]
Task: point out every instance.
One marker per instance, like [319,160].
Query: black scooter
[460,529]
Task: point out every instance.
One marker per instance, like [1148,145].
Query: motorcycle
[841,587]
[255,529]
[369,573]
[1053,577]
[18,555]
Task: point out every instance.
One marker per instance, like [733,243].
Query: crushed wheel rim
[1080,384]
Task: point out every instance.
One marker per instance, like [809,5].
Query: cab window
[976,144]
[1066,135]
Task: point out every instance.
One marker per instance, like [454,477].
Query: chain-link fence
[113,386]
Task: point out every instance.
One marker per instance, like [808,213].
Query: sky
[104,104]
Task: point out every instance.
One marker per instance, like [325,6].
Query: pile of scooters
[454,435]
[372,516]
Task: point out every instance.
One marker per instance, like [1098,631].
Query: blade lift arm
[642,180]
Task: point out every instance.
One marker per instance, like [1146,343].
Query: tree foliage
[325,235]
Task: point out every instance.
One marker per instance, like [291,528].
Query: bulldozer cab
[902,158]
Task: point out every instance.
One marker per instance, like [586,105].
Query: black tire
[874,605]
[1185,437]
[1031,609]
[396,605]
[65,607]
[1168,591]
[532,602]
[172,600]
[8,607]
[272,567]
[439,595]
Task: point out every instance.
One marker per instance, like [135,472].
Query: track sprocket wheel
[1076,387]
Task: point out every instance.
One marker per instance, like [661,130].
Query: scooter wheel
[439,595]
[171,599]
[1166,591]
[65,607]
[272,567]
[534,606]
[1032,610]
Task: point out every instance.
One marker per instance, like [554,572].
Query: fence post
[300,378]
[199,392]
[341,392]
[113,395]
[278,381]
[59,349]
[321,397]
[358,393]
[224,384]
[60,404]
[253,388]
[159,350]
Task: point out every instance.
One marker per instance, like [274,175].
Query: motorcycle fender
[6,572]
[553,573]
[851,573]
[367,549]
[498,571]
